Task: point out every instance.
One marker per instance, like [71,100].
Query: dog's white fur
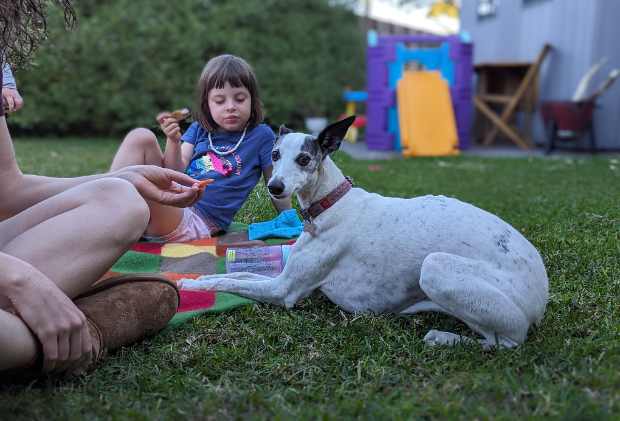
[389,255]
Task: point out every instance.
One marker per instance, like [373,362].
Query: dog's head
[297,157]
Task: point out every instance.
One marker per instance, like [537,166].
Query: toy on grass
[351,98]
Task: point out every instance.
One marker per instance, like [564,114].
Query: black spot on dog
[502,241]
[311,146]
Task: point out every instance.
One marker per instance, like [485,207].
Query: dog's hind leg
[470,290]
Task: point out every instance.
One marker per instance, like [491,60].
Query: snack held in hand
[204,183]
[180,115]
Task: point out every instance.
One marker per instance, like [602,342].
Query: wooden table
[513,86]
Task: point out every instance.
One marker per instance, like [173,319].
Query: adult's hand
[53,318]
[11,100]
[162,185]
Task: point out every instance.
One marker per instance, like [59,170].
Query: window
[486,8]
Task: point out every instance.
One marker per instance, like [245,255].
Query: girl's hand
[162,185]
[53,318]
[170,126]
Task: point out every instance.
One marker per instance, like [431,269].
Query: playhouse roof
[409,15]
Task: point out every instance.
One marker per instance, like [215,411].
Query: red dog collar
[326,202]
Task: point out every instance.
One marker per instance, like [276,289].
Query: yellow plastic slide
[425,115]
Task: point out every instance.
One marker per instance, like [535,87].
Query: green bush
[128,59]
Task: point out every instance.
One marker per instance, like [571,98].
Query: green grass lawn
[318,362]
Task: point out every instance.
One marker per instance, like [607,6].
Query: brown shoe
[119,311]
[124,309]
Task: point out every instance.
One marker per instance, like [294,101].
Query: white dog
[369,253]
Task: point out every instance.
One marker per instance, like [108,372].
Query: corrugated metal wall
[581,33]
[607,43]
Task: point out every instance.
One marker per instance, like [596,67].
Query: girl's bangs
[234,75]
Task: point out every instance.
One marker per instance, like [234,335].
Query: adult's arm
[19,191]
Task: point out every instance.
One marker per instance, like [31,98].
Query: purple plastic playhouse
[385,58]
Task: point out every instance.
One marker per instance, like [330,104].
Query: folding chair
[525,94]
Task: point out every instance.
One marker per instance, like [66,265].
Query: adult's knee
[127,212]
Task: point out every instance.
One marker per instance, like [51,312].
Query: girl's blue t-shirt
[242,168]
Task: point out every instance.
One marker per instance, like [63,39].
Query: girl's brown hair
[218,71]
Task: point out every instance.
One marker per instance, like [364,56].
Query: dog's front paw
[437,337]
[208,282]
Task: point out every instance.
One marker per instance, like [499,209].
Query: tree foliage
[128,59]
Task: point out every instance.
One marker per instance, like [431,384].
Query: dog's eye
[303,160]
[275,155]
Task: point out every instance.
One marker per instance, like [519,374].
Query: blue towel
[285,225]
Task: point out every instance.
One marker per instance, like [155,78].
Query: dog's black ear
[331,137]
[283,130]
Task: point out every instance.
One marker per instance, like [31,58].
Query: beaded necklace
[228,152]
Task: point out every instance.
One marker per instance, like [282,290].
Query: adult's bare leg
[77,234]
[73,238]
[18,347]
[140,147]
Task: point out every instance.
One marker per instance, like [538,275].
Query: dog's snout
[276,187]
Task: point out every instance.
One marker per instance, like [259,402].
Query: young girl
[227,144]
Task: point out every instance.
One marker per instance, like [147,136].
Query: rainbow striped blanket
[190,260]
